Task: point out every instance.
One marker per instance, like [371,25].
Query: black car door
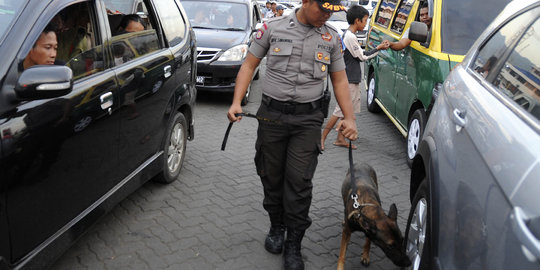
[144,67]
[62,153]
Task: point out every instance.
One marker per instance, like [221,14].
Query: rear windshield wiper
[203,27]
[233,29]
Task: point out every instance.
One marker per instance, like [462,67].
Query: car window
[464,20]
[134,34]
[519,77]
[217,15]
[8,12]
[172,20]
[77,46]
[492,51]
[401,17]
[384,14]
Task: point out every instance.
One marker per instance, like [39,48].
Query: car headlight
[236,53]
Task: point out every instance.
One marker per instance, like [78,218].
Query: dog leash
[354,194]
[246,114]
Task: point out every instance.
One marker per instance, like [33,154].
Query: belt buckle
[288,108]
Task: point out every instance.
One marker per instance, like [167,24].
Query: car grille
[206,54]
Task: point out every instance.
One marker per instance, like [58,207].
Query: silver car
[475,181]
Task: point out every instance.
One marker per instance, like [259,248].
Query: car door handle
[528,240]
[459,118]
[107,101]
[167,71]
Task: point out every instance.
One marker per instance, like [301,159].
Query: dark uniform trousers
[287,148]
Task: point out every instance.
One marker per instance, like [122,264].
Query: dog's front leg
[365,252]
[345,237]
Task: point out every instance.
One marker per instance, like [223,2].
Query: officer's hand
[234,109]
[347,127]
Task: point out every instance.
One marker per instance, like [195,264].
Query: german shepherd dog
[370,218]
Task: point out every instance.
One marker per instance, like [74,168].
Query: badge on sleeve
[326,36]
[327,58]
[259,34]
[319,55]
[276,50]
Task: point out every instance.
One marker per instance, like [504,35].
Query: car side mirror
[44,81]
[418,32]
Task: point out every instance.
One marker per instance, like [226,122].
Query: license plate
[200,79]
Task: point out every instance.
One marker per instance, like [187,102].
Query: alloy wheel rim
[417,234]
[371,90]
[176,148]
[413,138]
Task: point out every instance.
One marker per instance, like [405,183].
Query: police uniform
[299,58]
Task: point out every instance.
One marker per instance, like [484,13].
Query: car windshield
[474,16]
[8,12]
[338,16]
[217,15]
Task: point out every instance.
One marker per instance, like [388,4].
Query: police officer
[301,49]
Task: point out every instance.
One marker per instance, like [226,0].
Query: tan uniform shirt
[299,58]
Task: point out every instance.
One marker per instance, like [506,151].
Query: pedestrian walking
[301,51]
[357,17]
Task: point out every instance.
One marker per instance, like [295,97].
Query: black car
[224,29]
[76,137]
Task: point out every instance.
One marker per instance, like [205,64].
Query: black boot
[292,256]
[274,239]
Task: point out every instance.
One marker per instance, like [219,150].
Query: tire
[372,106]
[417,234]
[174,150]
[245,100]
[416,126]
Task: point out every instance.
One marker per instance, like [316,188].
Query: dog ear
[392,213]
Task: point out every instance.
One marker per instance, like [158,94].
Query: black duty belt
[288,107]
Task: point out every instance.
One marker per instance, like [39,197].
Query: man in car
[301,50]
[44,50]
[405,41]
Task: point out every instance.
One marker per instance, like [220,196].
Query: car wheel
[174,150]
[414,135]
[245,100]
[372,106]
[417,234]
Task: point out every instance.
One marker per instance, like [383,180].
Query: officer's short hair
[356,12]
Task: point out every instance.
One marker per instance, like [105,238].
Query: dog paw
[365,262]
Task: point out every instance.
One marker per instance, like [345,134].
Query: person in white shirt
[353,53]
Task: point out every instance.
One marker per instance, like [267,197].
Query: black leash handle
[224,143]
[351,165]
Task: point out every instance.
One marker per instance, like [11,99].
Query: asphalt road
[212,216]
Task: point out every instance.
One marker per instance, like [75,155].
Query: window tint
[172,21]
[464,20]
[134,34]
[386,9]
[401,17]
[519,77]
